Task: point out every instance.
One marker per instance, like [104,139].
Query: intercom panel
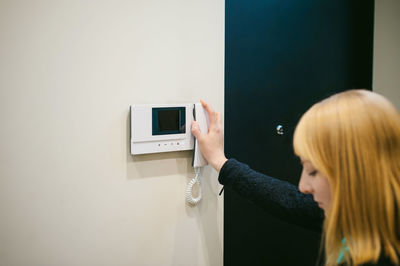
[161,128]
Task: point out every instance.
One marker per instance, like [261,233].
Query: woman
[349,145]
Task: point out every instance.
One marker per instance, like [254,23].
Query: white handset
[201,117]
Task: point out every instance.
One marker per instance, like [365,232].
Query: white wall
[386,77]
[70,192]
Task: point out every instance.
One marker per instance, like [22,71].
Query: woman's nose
[304,185]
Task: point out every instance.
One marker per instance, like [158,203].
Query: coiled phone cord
[189,189]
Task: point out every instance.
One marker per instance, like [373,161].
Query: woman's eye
[313,173]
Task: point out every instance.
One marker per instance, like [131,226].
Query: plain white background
[387,50]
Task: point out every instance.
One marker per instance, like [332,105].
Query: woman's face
[314,182]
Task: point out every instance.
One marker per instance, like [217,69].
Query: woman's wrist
[217,165]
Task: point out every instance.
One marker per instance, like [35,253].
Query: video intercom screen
[169,120]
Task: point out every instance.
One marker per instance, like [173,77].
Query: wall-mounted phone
[159,128]
[201,117]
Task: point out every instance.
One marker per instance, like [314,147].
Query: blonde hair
[353,138]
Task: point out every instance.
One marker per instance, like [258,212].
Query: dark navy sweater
[277,197]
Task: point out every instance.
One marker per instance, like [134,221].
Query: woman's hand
[211,144]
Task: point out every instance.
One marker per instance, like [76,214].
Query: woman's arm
[277,197]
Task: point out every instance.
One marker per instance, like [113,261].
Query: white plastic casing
[142,139]
[203,122]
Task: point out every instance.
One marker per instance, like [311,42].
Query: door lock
[279,130]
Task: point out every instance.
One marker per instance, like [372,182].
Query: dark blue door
[280,58]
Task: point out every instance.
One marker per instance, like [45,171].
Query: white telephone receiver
[201,117]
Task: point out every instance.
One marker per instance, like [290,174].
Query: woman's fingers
[212,115]
[196,130]
[219,118]
[211,144]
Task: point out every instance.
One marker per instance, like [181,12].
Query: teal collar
[343,251]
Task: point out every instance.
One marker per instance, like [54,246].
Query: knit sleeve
[277,197]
